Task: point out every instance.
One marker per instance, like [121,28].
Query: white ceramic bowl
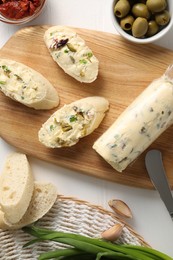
[153,38]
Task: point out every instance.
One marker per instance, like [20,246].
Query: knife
[156,171]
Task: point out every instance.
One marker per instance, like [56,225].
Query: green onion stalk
[86,248]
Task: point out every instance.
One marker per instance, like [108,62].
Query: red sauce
[17,9]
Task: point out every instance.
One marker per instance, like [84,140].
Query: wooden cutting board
[125,70]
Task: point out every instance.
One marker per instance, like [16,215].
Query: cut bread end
[16,187]
[44,196]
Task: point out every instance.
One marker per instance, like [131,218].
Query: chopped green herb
[66,51]
[58,55]
[2,82]
[83,61]
[89,54]
[18,77]
[6,70]
[52,127]
[73,118]
[143,130]
[72,59]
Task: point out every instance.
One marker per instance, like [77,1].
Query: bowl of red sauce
[20,11]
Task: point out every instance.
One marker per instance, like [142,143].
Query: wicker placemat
[68,215]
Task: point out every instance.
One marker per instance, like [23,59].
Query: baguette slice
[72,122]
[3,222]
[16,187]
[70,52]
[27,86]
[44,196]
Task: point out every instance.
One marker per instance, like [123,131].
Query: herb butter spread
[71,53]
[139,125]
[72,122]
[26,86]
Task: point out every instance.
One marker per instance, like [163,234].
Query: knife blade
[157,174]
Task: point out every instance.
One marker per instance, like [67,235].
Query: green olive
[162,18]
[139,27]
[156,6]
[140,10]
[153,28]
[121,8]
[127,22]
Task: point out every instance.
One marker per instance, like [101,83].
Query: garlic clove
[113,233]
[120,207]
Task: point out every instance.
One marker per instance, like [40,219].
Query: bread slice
[27,86]
[16,187]
[71,53]
[73,121]
[44,196]
[3,222]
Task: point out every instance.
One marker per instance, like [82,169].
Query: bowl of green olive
[142,21]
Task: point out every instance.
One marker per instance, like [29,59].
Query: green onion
[73,118]
[18,77]
[51,127]
[89,54]
[90,247]
[5,69]
[60,252]
[2,82]
[83,61]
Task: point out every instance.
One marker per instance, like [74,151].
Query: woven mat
[68,215]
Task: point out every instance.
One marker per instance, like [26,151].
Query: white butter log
[27,86]
[70,52]
[149,115]
[73,121]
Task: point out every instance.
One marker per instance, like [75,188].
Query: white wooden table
[151,219]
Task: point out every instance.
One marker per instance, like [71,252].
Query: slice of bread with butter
[71,53]
[73,121]
[27,86]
